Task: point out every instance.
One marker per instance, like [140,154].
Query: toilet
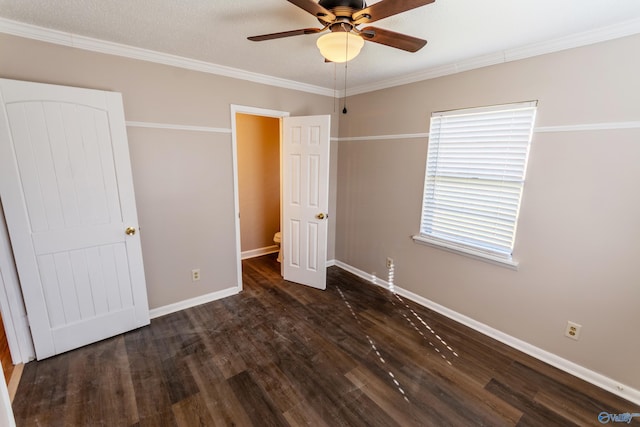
[277,239]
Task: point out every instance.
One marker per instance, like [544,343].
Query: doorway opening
[258,183]
[256,139]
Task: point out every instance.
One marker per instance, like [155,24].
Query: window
[476,164]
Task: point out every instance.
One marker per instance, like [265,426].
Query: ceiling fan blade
[386,8]
[315,9]
[392,39]
[282,34]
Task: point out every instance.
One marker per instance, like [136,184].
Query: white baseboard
[182,305]
[192,302]
[259,252]
[595,378]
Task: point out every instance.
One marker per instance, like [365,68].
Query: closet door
[67,192]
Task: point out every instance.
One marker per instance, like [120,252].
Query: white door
[305,200]
[67,192]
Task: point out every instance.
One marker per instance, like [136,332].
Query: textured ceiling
[216,31]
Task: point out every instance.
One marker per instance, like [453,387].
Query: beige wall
[183,180]
[185,212]
[578,239]
[258,144]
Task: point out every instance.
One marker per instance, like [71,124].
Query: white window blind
[476,164]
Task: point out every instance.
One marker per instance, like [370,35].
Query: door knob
[130,231]
[322,216]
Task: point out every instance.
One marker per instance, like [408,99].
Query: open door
[67,192]
[305,199]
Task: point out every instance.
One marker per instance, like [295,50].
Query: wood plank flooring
[282,354]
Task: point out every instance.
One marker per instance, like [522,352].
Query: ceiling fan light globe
[335,48]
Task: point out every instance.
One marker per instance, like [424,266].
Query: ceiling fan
[342,18]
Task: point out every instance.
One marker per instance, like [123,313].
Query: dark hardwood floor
[283,354]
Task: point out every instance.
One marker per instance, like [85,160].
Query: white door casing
[305,199]
[14,315]
[67,192]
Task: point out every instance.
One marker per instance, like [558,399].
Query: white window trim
[469,251]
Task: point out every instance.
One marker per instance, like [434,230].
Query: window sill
[470,253]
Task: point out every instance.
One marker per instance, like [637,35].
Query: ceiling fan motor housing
[352,4]
[343,10]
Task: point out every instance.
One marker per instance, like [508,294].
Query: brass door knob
[130,231]
[322,216]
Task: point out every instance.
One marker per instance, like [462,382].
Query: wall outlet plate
[573,330]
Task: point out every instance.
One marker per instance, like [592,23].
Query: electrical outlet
[572,331]
[195,275]
[389,262]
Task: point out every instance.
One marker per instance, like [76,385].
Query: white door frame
[6,411]
[256,111]
[14,315]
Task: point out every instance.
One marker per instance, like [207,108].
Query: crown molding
[622,29]
[34,32]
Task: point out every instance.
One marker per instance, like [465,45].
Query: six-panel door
[305,199]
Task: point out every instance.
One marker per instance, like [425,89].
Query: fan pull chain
[344,109]
[336,100]
[346,53]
